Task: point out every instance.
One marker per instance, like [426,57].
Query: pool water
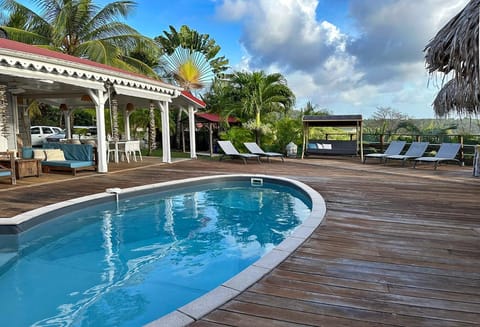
[129,263]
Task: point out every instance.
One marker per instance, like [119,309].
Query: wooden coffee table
[25,167]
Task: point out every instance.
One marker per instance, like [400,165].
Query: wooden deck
[400,246]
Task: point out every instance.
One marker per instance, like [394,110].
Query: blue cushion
[81,152]
[68,163]
[5,173]
[27,153]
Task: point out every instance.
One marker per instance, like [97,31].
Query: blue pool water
[129,263]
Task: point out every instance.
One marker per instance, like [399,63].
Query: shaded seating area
[68,157]
[416,150]
[8,172]
[254,148]
[352,135]
[446,152]
[229,150]
[394,148]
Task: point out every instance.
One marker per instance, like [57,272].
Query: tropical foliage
[190,60]
[250,95]
[82,29]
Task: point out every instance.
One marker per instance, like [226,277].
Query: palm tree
[190,61]
[259,93]
[82,29]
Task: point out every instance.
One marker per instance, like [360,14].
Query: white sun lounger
[230,150]
[254,148]
[394,148]
[446,152]
[416,150]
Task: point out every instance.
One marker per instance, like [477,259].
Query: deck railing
[379,142]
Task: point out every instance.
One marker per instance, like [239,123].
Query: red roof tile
[214,118]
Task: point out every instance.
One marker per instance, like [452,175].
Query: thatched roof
[453,97]
[455,49]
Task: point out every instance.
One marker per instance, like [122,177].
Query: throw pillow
[54,155]
[27,153]
[39,154]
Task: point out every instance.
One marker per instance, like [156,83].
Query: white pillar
[68,125]
[99,99]
[126,123]
[165,131]
[191,129]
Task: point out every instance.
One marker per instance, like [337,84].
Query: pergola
[341,121]
[212,121]
[32,73]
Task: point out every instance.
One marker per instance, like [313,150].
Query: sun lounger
[254,148]
[416,150]
[230,151]
[446,152]
[394,148]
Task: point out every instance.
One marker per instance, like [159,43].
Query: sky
[347,56]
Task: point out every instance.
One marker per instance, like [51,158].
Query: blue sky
[349,56]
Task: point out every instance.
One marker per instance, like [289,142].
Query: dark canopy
[333,121]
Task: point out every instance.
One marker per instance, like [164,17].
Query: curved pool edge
[203,305]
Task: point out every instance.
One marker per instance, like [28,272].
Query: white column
[165,131]
[191,129]
[68,127]
[126,123]
[99,99]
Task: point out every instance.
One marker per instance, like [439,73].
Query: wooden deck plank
[400,246]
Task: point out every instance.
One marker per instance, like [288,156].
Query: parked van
[40,133]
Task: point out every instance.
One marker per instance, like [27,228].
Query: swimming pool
[119,268]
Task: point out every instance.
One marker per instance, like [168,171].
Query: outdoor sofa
[331,147]
[63,157]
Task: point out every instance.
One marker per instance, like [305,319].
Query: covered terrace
[31,73]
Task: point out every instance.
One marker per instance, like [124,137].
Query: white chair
[110,150]
[132,148]
[122,150]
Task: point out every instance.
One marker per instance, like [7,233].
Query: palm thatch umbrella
[454,97]
[455,49]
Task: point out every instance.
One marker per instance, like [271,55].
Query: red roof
[31,49]
[214,118]
[193,98]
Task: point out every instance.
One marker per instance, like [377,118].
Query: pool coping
[201,306]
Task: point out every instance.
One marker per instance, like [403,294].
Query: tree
[82,29]
[386,120]
[258,93]
[313,110]
[190,61]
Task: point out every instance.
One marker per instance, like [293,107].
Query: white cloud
[381,62]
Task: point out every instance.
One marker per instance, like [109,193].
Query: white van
[40,133]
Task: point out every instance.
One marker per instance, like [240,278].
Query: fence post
[462,153]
